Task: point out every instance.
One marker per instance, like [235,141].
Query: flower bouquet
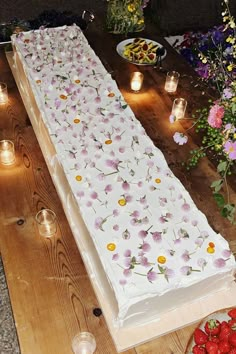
[125,16]
[213,55]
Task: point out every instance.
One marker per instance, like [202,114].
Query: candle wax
[136,85]
[7,157]
[171,86]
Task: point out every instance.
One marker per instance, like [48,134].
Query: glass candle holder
[3,93]
[84,343]
[46,222]
[172,79]
[136,81]
[7,152]
[179,108]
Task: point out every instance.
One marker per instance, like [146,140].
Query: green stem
[225,181]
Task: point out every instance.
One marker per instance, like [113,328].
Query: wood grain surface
[51,294]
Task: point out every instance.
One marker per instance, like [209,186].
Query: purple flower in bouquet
[227,93]
[230,149]
[203,70]
[145,3]
[212,54]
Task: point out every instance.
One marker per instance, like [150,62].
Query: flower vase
[124,16]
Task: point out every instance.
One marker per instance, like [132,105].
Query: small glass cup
[172,79]
[136,81]
[84,343]
[179,108]
[7,152]
[3,93]
[47,223]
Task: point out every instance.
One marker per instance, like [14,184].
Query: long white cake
[150,247]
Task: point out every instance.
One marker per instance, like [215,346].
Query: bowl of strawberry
[216,334]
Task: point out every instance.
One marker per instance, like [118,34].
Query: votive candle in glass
[179,108]
[172,79]
[84,343]
[7,152]
[136,81]
[3,93]
[47,223]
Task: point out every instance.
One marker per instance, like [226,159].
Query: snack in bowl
[141,51]
[216,334]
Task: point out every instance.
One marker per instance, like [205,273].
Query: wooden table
[51,295]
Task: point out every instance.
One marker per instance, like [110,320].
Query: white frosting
[100,158]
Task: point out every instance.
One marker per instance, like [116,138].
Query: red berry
[232,351]
[215,339]
[232,323]
[225,332]
[198,349]
[224,324]
[200,337]
[224,346]
[232,313]
[232,339]
[212,327]
[211,347]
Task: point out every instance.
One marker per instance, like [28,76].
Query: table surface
[51,295]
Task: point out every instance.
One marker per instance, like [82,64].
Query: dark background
[171,16]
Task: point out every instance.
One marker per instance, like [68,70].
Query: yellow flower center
[63,97]
[108,142]
[78,178]
[111,247]
[210,250]
[111,94]
[122,202]
[161,259]
[211,244]
[158,180]
[77,81]
[76,120]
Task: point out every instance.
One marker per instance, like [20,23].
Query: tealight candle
[46,221]
[84,343]
[172,79]
[136,81]
[7,152]
[179,107]
[3,93]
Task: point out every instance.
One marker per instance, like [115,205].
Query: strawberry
[232,323]
[211,347]
[198,349]
[225,331]
[200,337]
[232,351]
[232,339]
[224,346]
[215,339]
[232,313]
[212,327]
